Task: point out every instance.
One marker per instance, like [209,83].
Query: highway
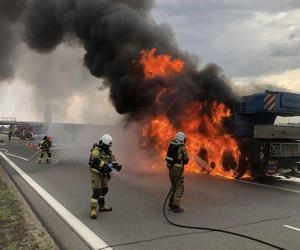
[267,209]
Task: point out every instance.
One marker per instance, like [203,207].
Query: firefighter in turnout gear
[45,146]
[177,157]
[101,162]
[10,134]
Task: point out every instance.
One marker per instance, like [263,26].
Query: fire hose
[209,228]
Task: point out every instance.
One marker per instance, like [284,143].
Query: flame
[207,142]
[161,131]
[160,65]
[203,132]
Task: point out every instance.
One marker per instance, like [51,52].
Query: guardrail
[8,119]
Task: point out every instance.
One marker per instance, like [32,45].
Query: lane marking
[31,157]
[19,157]
[293,228]
[264,185]
[81,229]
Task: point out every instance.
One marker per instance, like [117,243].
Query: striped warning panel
[270,102]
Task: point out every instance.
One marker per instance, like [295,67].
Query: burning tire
[228,162]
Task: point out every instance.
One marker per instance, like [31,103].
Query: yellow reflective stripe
[102,163]
[96,152]
[94,202]
[95,171]
[178,165]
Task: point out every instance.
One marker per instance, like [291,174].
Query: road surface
[269,210]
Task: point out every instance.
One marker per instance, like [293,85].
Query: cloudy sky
[251,40]
[255,42]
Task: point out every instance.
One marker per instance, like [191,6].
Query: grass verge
[19,228]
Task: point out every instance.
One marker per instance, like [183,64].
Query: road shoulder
[19,227]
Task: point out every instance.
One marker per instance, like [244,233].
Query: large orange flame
[203,132]
[207,141]
[159,65]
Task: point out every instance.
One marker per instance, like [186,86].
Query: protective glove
[117,166]
[109,168]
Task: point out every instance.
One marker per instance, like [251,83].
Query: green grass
[13,232]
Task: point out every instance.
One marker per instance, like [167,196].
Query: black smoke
[10,14]
[113,34]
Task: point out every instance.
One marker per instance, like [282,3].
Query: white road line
[31,157]
[19,157]
[81,229]
[293,228]
[264,185]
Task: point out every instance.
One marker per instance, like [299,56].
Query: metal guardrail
[8,119]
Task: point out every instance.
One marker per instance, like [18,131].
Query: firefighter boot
[176,206]
[93,209]
[171,203]
[177,209]
[102,207]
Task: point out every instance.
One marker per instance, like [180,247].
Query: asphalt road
[259,210]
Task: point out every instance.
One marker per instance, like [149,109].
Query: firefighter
[101,162]
[45,146]
[177,157]
[23,135]
[10,134]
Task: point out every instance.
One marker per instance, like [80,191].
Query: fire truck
[267,148]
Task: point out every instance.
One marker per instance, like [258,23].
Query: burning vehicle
[267,148]
[227,141]
[212,147]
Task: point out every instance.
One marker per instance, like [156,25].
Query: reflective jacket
[45,145]
[182,157]
[100,159]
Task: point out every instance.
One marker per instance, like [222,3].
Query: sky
[255,42]
[252,40]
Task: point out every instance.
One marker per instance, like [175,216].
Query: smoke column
[113,33]
[10,12]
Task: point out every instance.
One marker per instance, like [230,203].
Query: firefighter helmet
[180,136]
[106,139]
